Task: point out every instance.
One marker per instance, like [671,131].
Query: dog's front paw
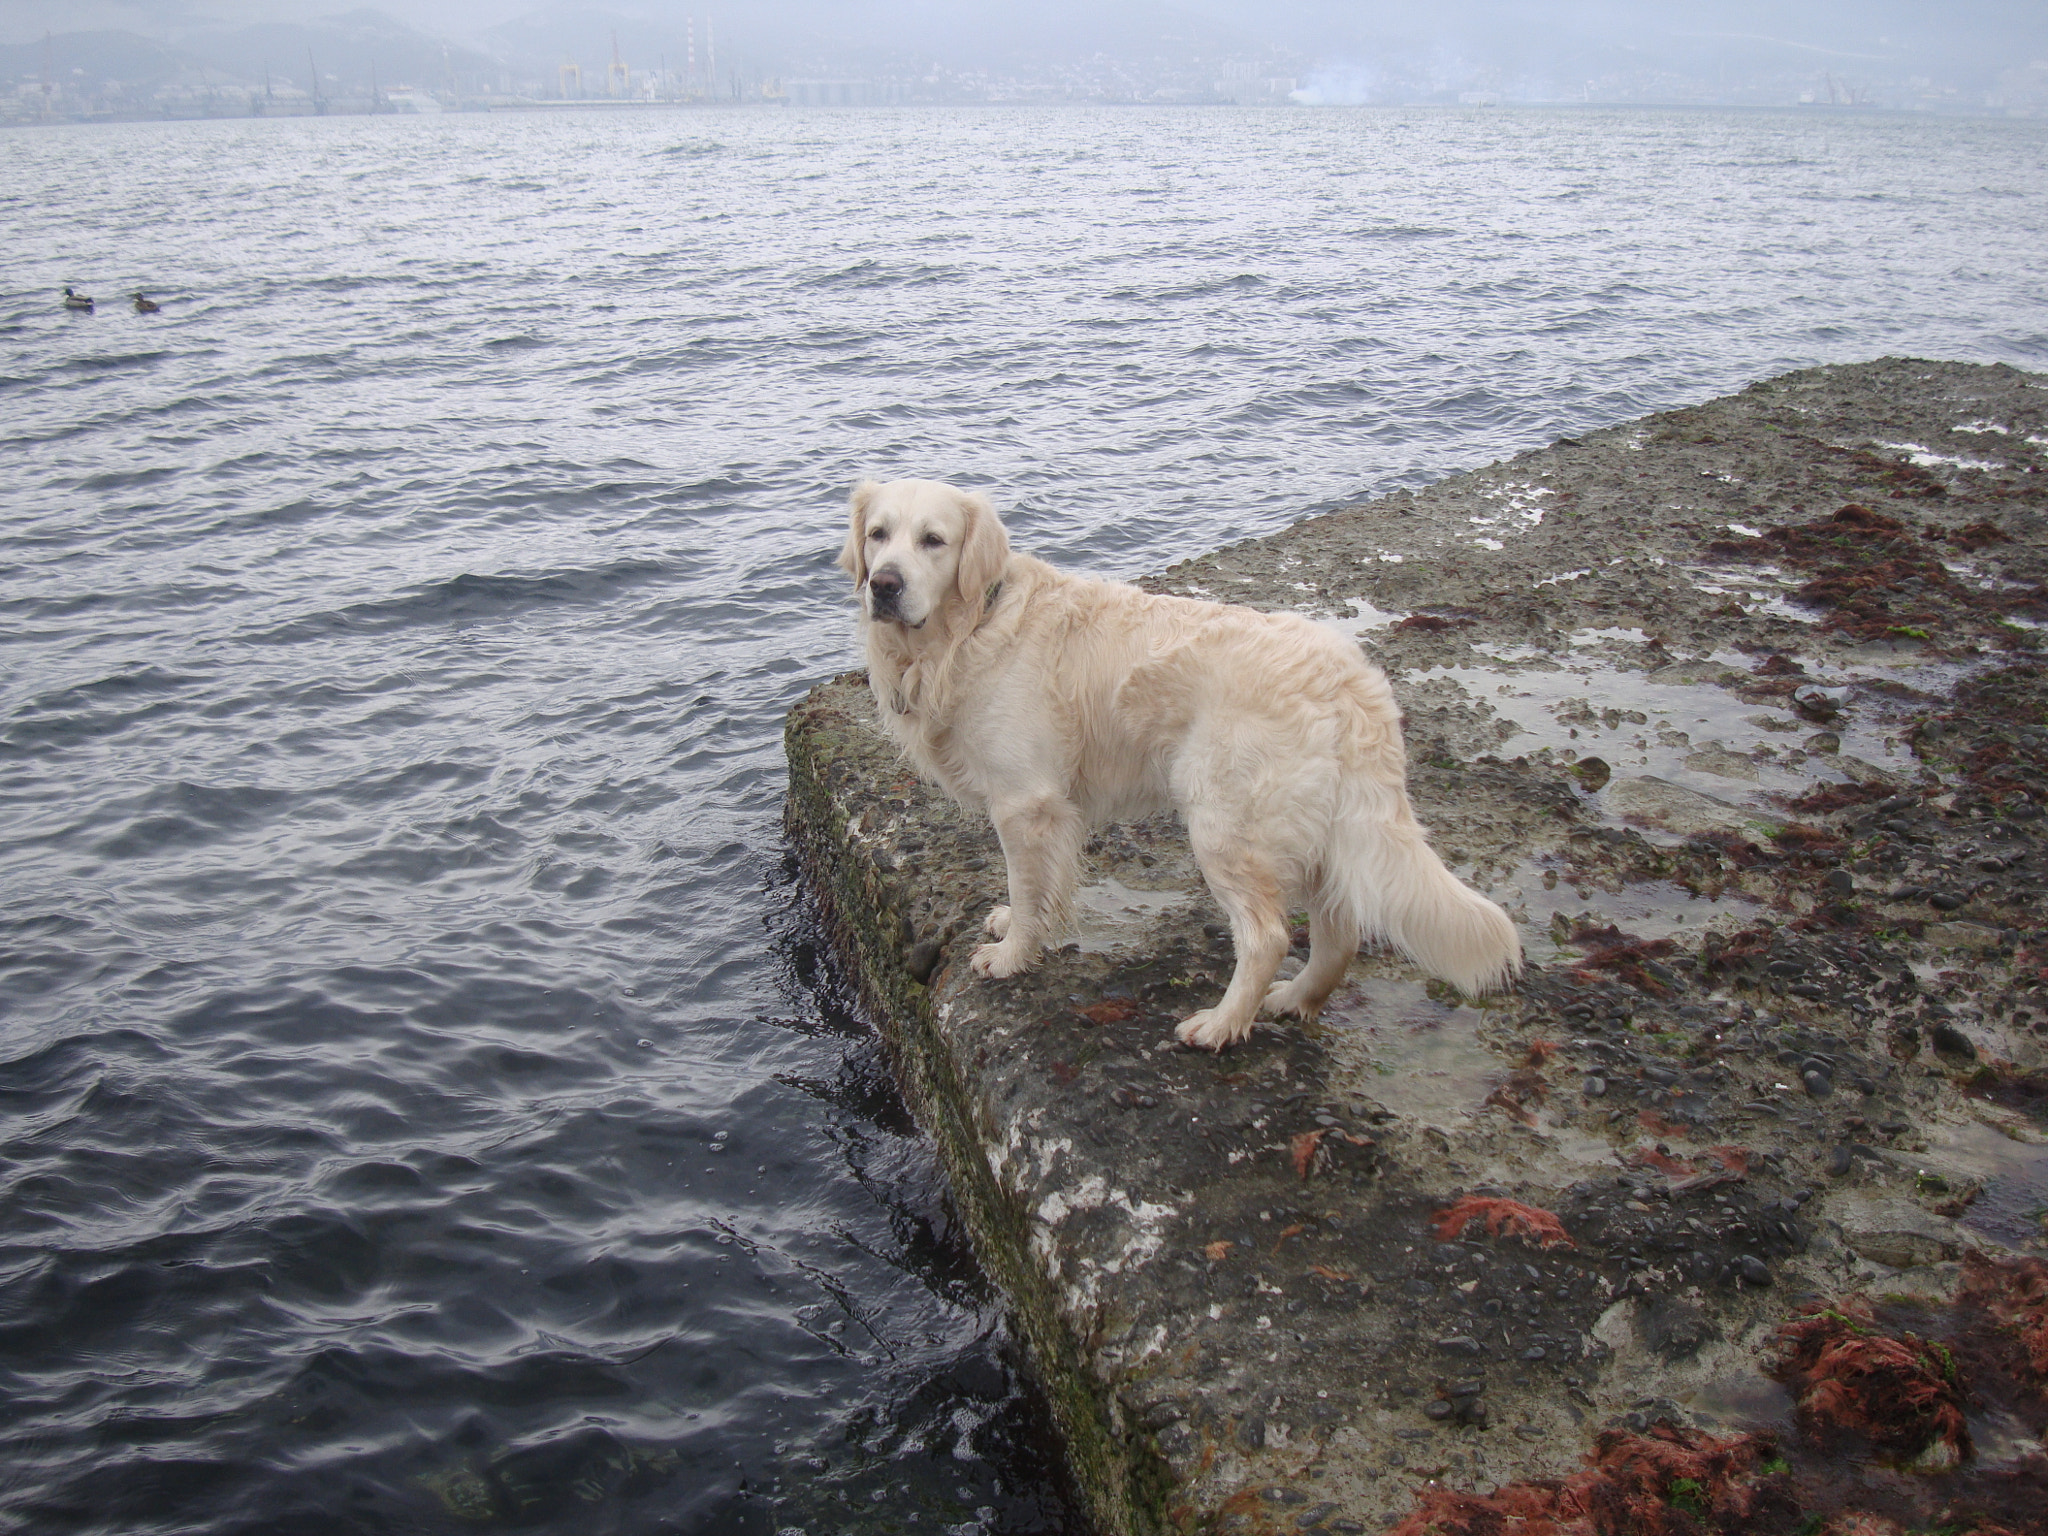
[997,923]
[995,961]
[1284,998]
[1210,1030]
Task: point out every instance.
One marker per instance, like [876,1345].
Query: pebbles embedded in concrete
[1951,1041]
[923,959]
[1591,772]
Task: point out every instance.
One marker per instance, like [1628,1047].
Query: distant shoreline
[360,108]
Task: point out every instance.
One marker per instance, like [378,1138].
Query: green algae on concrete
[1778,861]
[844,783]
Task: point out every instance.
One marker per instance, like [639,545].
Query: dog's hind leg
[1332,942]
[1041,839]
[1249,890]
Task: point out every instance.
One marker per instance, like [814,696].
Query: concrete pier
[1739,710]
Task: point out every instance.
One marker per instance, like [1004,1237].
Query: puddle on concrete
[1423,1059]
[1682,732]
[2015,1175]
[1928,458]
[1999,1440]
[1109,914]
[1684,729]
[1364,617]
[1760,588]
[1582,639]
[1650,909]
[1742,1398]
[1882,1225]
[1517,507]
[1569,1148]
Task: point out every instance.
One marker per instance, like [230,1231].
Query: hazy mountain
[189,50]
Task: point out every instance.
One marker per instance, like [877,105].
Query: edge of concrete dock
[1740,710]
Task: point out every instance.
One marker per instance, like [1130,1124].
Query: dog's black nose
[886,587]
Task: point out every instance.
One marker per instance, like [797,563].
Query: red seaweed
[1503,1218]
[1668,1481]
[1898,1393]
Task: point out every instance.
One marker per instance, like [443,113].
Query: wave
[468,598]
[128,479]
[874,274]
[114,360]
[187,815]
[1239,282]
[140,682]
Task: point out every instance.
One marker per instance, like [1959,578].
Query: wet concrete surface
[1760,780]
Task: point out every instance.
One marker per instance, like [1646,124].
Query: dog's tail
[1383,877]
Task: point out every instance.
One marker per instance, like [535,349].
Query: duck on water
[78,301]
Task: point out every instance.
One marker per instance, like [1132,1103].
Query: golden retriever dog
[1058,703]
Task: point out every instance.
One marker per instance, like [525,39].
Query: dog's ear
[984,550]
[853,556]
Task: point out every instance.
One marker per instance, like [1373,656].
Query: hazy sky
[1847,26]
[1892,35]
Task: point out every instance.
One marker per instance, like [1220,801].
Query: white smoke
[1340,85]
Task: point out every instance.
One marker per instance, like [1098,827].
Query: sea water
[424,1103]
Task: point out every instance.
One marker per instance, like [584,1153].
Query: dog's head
[919,548]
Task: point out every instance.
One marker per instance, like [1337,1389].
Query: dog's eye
[878,533]
[932,541]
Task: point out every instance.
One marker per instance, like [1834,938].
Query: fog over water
[424,1104]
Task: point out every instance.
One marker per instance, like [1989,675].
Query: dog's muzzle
[885,595]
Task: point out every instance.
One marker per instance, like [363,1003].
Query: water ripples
[422,1099]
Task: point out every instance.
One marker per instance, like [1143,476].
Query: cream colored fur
[1057,703]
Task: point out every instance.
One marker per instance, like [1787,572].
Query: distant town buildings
[365,63]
